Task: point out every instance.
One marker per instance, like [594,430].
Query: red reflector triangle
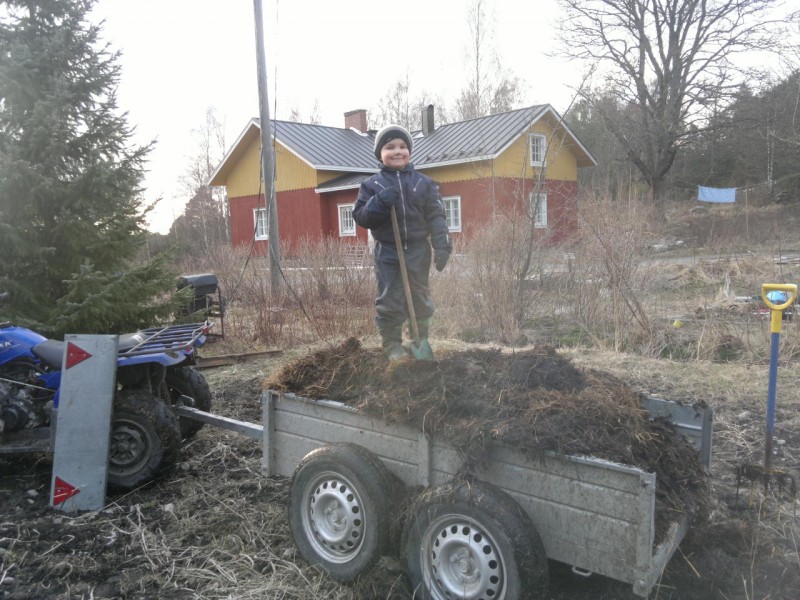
[63,491]
[75,355]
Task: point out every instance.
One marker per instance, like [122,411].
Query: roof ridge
[258,120]
[532,108]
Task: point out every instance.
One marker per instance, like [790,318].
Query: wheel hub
[127,446]
[463,561]
[463,564]
[333,517]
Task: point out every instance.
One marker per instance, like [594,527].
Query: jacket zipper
[403,202]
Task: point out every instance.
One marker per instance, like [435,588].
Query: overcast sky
[182,57]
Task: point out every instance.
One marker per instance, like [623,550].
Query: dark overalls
[422,223]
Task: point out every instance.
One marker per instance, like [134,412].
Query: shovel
[776,319]
[419,350]
[766,473]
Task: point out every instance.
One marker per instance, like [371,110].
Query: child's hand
[440,258]
[389,197]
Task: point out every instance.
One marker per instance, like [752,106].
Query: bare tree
[490,89]
[295,116]
[667,62]
[205,216]
[397,106]
[400,107]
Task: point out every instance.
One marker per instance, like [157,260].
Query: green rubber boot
[395,351]
[392,342]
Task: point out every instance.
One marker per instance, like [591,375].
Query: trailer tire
[145,439]
[340,509]
[186,381]
[473,541]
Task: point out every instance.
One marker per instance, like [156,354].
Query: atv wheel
[145,439]
[186,381]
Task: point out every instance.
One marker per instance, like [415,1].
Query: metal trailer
[589,513]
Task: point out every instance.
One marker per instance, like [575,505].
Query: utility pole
[267,156]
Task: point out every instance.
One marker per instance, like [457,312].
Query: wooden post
[267,155]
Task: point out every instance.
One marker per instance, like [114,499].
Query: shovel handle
[404,273]
[777,309]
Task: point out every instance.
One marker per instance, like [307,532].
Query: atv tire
[145,439]
[186,381]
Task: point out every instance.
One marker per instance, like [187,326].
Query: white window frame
[453,216]
[538,157]
[539,209]
[347,226]
[260,224]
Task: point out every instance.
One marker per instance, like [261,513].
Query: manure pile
[534,400]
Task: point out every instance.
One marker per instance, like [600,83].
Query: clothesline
[747,188]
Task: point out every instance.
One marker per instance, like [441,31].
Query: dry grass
[608,289]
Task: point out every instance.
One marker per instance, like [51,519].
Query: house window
[452,212]
[261,223]
[538,149]
[347,225]
[539,210]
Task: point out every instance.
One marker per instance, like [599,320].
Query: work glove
[440,258]
[388,197]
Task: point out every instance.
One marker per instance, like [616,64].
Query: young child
[421,217]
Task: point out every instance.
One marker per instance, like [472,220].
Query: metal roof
[345,182]
[324,147]
[335,149]
[485,137]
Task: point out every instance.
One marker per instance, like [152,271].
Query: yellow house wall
[291,173]
[243,178]
[561,163]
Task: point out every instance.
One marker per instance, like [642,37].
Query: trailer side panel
[590,513]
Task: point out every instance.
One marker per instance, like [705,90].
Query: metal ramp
[83,423]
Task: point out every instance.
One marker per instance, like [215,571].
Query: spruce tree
[70,176]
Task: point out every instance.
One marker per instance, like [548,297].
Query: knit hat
[391,132]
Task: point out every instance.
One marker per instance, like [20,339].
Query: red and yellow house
[524,162]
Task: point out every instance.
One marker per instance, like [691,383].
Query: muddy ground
[214,528]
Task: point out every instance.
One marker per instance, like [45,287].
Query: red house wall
[299,217]
[483,198]
[304,214]
[330,218]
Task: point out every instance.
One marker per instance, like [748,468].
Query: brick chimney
[356,119]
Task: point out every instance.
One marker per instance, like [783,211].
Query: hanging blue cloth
[708,194]
[777,297]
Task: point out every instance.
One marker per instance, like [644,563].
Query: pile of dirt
[534,400]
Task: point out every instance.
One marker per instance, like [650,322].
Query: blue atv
[154,373]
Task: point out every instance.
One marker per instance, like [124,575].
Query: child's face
[395,154]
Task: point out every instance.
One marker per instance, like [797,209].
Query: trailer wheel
[340,509]
[471,541]
[145,438]
[186,381]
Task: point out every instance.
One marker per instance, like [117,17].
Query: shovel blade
[421,350]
